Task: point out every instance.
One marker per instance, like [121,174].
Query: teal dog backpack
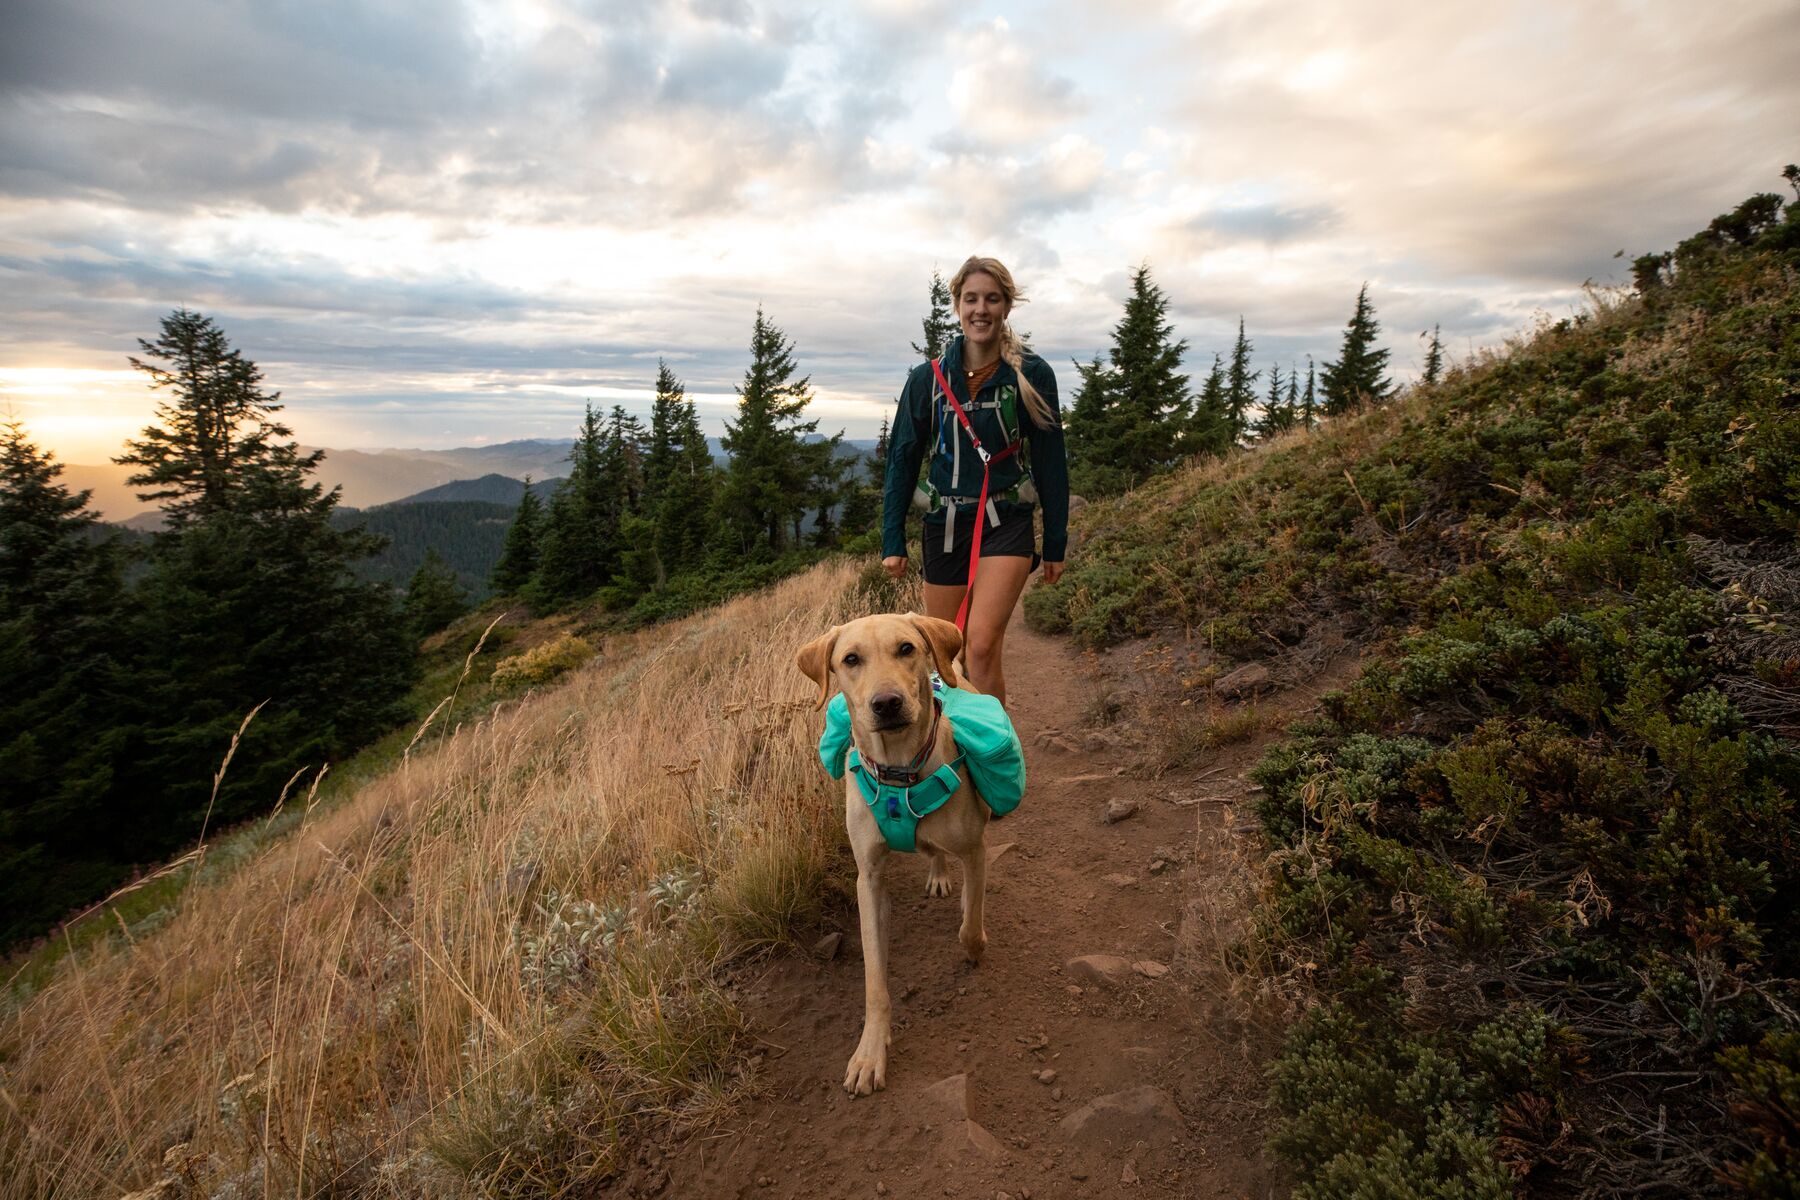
[986,744]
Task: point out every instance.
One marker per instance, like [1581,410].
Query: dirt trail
[1154,1091]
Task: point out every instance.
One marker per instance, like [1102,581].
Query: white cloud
[486,210]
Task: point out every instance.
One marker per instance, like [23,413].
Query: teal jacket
[918,430]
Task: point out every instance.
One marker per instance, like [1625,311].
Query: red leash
[962,613]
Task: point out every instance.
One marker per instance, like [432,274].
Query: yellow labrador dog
[883,665]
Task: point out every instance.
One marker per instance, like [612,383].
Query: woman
[1008,396]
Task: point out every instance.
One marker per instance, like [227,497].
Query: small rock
[1107,969]
[1074,989]
[1078,1174]
[763,1181]
[1121,880]
[1118,808]
[1159,866]
[1142,1112]
[1002,1196]
[1246,680]
[880,1188]
[1047,1075]
[827,947]
[949,1098]
[1150,969]
[1056,1094]
[1129,1175]
[970,1137]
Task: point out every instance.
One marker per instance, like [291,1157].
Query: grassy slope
[483,967]
[1541,866]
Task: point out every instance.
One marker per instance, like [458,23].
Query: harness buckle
[981,450]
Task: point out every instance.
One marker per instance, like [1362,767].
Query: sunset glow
[434,229]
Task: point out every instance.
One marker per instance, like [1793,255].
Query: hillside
[493,962]
[1534,875]
[467,534]
[489,489]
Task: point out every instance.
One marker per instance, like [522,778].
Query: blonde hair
[1011,349]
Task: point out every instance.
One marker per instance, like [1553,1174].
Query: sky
[456,222]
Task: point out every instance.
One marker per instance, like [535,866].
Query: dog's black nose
[886,705]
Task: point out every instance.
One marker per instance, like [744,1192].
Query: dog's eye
[906,648]
[850,660]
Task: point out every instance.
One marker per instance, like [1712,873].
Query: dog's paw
[867,1072]
[938,886]
[974,943]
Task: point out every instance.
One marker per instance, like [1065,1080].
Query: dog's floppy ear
[814,661]
[945,640]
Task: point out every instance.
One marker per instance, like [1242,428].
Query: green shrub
[542,663]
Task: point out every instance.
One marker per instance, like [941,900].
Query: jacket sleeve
[907,439]
[1049,464]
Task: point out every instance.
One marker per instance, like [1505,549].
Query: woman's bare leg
[997,586]
[998,583]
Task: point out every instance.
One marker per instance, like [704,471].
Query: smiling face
[883,664]
[981,306]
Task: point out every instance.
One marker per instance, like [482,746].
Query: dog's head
[883,665]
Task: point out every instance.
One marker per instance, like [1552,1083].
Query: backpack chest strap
[898,809]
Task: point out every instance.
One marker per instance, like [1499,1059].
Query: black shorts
[1013,537]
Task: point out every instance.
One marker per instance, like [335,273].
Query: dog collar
[912,772]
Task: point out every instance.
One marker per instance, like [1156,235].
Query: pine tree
[940,323]
[768,483]
[1209,430]
[1292,403]
[1357,374]
[1152,395]
[519,558]
[1309,402]
[684,513]
[577,546]
[1275,417]
[1434,358]
[434,598]
[249,598]
[829,486]
[622,465]
[1240,387]
[1091,428]
[217,445]
[665,415]
[67,720]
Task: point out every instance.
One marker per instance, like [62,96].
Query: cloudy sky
[453,222]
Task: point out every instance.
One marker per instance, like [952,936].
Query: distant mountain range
[367,477]
[374,477]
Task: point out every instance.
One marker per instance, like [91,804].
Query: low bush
[542,663]
[1540,864]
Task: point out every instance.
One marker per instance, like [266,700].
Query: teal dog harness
[986,744]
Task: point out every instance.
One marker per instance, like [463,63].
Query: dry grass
[477,975]
[1183,738]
